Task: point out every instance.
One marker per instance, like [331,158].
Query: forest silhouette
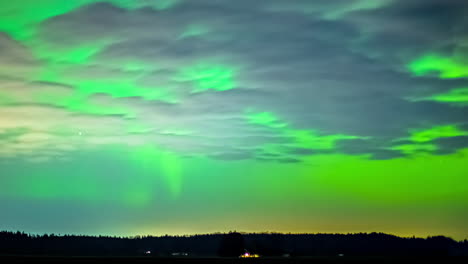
[232,244]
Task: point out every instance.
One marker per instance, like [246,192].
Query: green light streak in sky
[172,172]
[415,149]
[357,5]
[139,128]
[313,140]
[208,77]
[56,72]
[194,30]
[457,97]
[305,139]
[81,104]
[73,101]
[427,135]
[121,88]
[176,132]
[62,57]
[331,187]
[160,163]
[446,67]
[116,88]
[142,177]
[265,119]
[156,4]
[19,18]
[422,139]
[333,11]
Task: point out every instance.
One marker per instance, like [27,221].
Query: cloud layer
[266,80]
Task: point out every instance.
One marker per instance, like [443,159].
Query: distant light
[147,252]
[179,254]
[248,255]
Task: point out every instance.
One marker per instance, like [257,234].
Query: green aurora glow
[173,118]
[447,68]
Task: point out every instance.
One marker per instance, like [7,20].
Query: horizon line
[228,232]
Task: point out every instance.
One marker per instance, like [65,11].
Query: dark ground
[319,260]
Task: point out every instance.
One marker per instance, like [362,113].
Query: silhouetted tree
[231,245]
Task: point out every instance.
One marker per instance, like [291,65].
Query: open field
[324,260]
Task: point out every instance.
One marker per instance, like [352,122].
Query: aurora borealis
[127,117]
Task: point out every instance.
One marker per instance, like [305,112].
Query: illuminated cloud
[195,87]
[19,18]
[436,132]
[16,61]
[455,97]
[327,9]
[176,108]
[444,67]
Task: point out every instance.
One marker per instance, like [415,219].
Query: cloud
[327,9]
[16,60]
[18,93]
[447,68]
[35,128]
[456,97]
[378,150]
[20,18]
[430,134]
[270,80]
[430,140]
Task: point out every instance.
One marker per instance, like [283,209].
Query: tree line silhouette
[231,244]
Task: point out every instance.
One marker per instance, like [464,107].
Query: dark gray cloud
[16,61]
[337,67]
[377,150]
[451,145]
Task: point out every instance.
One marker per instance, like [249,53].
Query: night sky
[126,117]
